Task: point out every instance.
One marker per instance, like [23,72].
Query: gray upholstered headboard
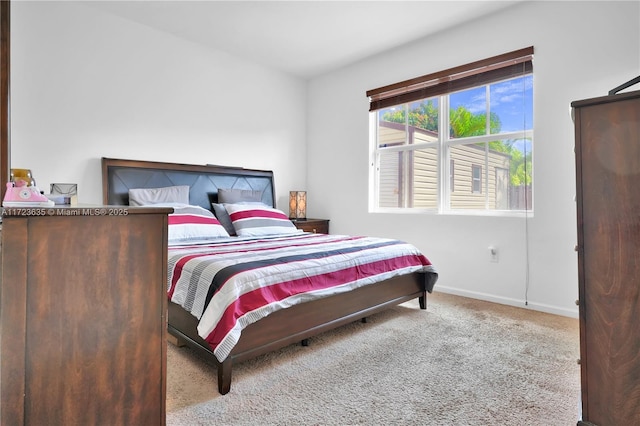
[118,176]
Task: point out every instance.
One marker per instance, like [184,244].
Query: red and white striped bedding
[232,282]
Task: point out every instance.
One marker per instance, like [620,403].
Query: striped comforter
[233,282]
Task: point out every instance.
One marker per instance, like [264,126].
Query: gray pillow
[169,194]
[232,196]
[223,218]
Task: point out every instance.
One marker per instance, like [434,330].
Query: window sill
[476,213]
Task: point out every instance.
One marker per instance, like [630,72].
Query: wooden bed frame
[282,328]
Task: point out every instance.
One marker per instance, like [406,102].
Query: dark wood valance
[485,71]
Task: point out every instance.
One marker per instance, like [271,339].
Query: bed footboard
[300,322]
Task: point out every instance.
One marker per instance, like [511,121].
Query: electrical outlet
[493,254]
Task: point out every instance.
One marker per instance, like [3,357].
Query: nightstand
[317,226]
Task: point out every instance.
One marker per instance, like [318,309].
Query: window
[476,118]
[476,179]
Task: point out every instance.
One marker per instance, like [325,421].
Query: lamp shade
[297,204]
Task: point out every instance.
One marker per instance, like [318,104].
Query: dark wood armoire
[607,148]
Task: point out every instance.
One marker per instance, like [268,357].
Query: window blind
[485,71]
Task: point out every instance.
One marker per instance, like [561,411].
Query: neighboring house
[467,172]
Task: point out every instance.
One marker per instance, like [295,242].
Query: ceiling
[305,38]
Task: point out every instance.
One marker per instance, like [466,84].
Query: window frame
[476,181]
[412,90]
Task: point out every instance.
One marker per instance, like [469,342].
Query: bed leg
[176,341]
[364,320]
[304,342]
[224,376]
[423,300]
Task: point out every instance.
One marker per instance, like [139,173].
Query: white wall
[86,84]
[582,50]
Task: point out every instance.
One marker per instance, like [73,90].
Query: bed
[295,318]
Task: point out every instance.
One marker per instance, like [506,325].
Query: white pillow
[169,194]
[251,220]
[189,223]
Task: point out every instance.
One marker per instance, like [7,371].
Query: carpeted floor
[460,362]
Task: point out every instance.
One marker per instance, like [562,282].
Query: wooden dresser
[83,308]
[607,150]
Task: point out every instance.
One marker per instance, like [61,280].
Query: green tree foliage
[464,123]
[520,165]
[424,116]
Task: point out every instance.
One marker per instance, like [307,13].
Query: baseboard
[571,313]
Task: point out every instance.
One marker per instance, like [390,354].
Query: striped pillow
[250,220]
[193,223]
